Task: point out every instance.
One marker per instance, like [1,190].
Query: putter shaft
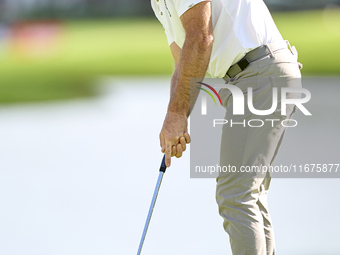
[153,202]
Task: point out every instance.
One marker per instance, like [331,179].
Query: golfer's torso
[239,26]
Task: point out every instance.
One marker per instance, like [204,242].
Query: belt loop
[272,55]
[226,79]
[289,47]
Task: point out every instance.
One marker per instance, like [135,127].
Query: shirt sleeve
[169,37]
[183,5]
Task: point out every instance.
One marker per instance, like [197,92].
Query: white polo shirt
[238,26]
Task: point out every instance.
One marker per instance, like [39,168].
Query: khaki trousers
[242,197]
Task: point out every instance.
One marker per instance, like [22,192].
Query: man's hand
[174,136]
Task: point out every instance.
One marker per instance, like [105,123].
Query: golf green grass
[136,47]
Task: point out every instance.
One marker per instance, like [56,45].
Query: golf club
[153,202]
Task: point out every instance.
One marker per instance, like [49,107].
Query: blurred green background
[62,59]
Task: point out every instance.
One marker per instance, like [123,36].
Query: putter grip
[163,166]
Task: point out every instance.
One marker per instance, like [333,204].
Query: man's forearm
[194,61]
[173,83]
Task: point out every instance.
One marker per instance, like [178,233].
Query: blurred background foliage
[53,50]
